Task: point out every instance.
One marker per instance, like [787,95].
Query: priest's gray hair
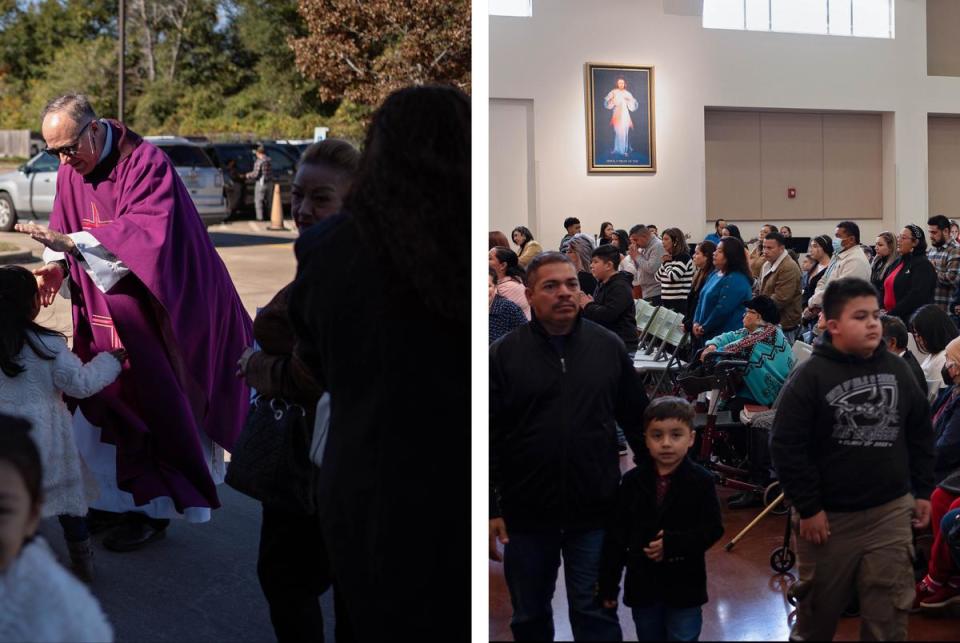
[76,106]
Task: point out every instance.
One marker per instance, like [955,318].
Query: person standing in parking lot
[142,275]
[262,174]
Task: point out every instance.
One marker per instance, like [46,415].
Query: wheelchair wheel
[770,494]
[782,560]
[792,595]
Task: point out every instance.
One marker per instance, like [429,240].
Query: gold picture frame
[621,133]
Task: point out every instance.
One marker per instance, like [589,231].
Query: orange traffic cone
[276,210]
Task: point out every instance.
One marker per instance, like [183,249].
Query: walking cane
[743,532]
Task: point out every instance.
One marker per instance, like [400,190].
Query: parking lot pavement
[200,582]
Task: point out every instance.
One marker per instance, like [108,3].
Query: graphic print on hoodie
[866,411]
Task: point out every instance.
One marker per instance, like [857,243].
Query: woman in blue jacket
[721,305]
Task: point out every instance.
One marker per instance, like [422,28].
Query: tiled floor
[747,599]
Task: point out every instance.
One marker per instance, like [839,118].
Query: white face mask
[837,246]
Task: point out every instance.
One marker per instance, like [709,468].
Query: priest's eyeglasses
[68,150]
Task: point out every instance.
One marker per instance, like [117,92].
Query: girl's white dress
[36,395]
[42,601]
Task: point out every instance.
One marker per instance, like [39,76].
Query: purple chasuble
[177,314]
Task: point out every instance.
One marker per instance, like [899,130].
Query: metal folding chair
[646,316]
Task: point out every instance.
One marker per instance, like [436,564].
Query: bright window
[864,18]
[520,8]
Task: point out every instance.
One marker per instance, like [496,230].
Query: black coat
[554,461]
[916,369]
[913,286]
[398,448]
[613,308]
[691,523]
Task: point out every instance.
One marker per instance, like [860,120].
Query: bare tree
[160,22]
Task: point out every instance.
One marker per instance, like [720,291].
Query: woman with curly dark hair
[382,311]
[528,247]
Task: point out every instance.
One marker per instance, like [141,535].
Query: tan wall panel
[943,45]
[852,166]
[944,165]
[791,155]
[733,165]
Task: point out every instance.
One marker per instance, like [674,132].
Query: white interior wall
[542,58]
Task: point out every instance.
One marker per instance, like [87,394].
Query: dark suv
[236,159]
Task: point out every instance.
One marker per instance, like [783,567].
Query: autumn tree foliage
[360,51]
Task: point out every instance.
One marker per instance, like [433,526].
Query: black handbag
[271,459]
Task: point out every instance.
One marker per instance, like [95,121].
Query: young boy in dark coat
[667,516]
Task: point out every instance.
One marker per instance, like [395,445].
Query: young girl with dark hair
[36,368]
[39,600]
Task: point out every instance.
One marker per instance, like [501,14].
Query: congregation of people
[164,359]
[864,438]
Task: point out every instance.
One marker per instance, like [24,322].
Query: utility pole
[121,27]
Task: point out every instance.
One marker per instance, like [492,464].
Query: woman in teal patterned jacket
[761,342]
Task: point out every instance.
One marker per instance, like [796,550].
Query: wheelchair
[722,375]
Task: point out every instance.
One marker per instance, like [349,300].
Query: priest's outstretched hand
[56,241]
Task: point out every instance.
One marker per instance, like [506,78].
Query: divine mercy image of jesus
[620,130]
[621,102]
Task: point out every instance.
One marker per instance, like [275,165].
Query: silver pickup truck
[28,192]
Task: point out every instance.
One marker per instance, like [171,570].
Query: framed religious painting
[620,129]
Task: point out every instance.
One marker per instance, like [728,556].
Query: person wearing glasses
[912,279]
[125,239]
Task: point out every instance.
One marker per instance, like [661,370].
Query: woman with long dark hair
[722,299]
[730,230]
[675,273]
[703,262]
[886,256]
[382,311]
[529,248]
[911,280]
[606,233]
[821,251]
[933,330]
[510,277]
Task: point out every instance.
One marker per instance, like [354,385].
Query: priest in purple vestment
[126,244]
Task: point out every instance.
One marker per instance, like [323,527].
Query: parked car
[236,159]
[202,178]
[28,192]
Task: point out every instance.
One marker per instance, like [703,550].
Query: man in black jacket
[612,305]
[557,386]
[853,447]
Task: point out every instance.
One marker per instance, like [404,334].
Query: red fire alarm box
[791,193]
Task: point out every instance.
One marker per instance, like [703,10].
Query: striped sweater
[676,277]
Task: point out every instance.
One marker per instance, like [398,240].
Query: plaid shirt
[946,261]
[262,170]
